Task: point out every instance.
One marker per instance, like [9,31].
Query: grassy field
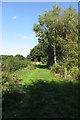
[44,96]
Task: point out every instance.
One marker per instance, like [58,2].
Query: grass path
[38,74]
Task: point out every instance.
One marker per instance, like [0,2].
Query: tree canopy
[57,33]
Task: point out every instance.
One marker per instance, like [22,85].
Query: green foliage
[58,68]
[74,72]
[20,57]
[46,31]
[37,54]
[58,35]
[9,83]
[13,63]
[10,64]
[44,59]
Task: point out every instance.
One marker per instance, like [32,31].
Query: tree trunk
[50,57]
[65,72]
[54,54]
[66,63]
[55,47]
[50,53]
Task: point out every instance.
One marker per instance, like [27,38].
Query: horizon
[18,18]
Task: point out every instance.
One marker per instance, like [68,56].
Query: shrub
[9,83]
[13,63]
[44,59]
[58,69]
[74,71]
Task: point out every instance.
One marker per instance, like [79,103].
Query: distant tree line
[12,63]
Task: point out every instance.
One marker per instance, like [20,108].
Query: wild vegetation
[45,84]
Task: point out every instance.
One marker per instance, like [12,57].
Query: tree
[69,21]
[20,57]
[46,31]
[37,54]
[58,34]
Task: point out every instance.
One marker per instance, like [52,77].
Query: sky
[18,18]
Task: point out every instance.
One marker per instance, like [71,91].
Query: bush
[58,69]
[74,71]
[9,83]
[44,59]
[13,63]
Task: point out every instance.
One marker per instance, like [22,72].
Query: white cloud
[15,17]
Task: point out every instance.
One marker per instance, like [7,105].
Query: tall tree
[46,31]
[69,21]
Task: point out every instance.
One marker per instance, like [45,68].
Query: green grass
[44,96]
[38,73]
[30,74]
